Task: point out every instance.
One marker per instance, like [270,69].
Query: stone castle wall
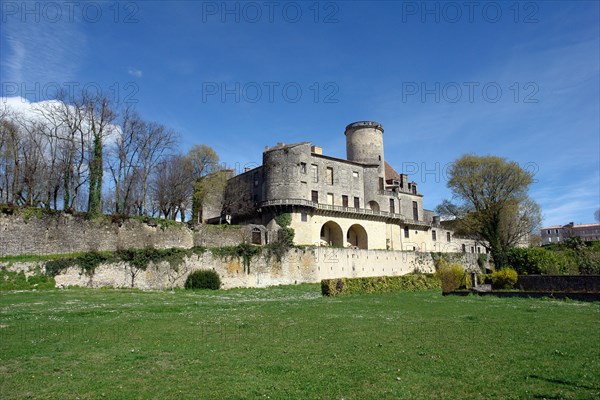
[64,233]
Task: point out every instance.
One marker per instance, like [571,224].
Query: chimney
[316,150]
[403,180]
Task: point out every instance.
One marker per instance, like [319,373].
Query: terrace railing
[341,209]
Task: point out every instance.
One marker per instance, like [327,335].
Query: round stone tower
[364,142]
[280,166]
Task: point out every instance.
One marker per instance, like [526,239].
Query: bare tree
[124,156]
[158,143]
[51,126]
[72,152]
[172,186]
[61,150]
[10,144]
[138,148]
[30,172]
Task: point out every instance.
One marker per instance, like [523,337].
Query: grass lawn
[289,342]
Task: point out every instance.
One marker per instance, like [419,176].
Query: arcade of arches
[332,234]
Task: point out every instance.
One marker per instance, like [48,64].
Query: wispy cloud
[136,73]
[41,53]
[575,201]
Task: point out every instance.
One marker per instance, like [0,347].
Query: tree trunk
[95,195]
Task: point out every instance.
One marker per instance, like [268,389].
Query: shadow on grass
[561,382]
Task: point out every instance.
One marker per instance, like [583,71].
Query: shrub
[452,276]
[482,262]
[10,280]
[504,279]
[379,284]
[203,279]
[555,260]
[588,262]
[485,279]
[329,287]
[284,220]
[528,261]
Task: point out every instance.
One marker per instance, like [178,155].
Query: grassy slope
[289,342]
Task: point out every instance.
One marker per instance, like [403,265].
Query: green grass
[35,258]
[289,342]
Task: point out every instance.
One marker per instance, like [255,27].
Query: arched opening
[373,205]
[357,237]
[331,235]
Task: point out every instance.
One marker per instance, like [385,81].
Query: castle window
[464,248]
[447,236]
[433,235]
[303,167]
[255,179]
[330,198]
[472,249]
[478,249]
[380,183]
[344,200]
[406,232]
[392,206]
[414,189]
[314,195]
[356,202]
[303,217]
[330,175]
[355,174]
[315,172]
[416,211]
[256,236]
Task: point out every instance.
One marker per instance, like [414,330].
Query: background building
[558,233]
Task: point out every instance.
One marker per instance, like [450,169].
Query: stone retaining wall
[296,266]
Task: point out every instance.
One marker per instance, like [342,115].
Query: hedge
[379,284]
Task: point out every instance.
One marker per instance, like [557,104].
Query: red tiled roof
[390,173]
[586,225]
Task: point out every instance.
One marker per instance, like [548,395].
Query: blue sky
[515,79]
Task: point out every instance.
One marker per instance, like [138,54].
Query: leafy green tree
[209,190]
[492,205]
